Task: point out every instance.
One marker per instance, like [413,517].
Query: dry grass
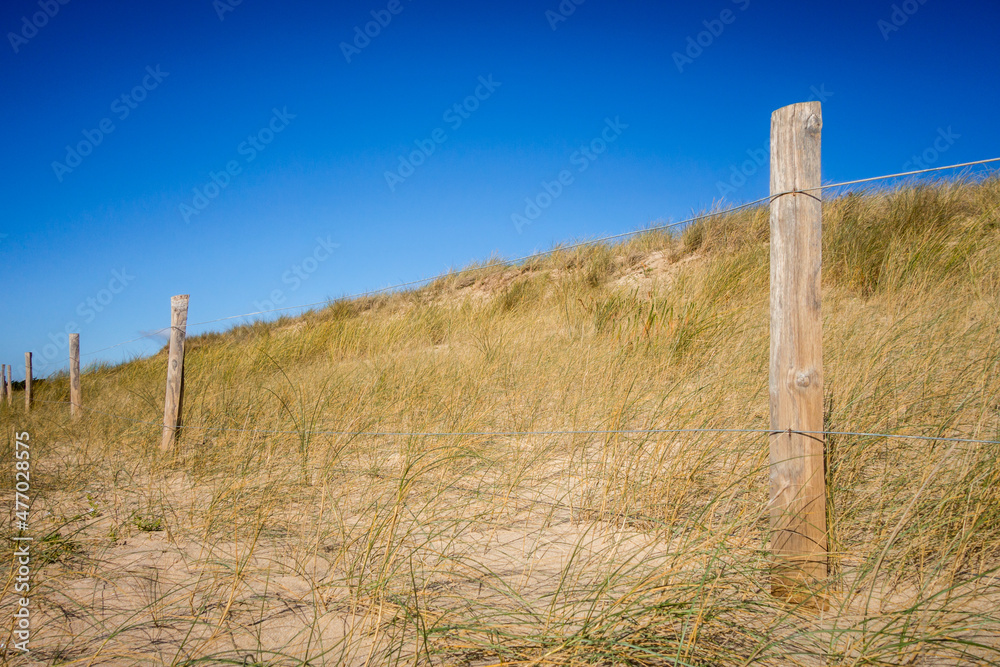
[291,547]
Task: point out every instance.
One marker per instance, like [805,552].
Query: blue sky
[240,152]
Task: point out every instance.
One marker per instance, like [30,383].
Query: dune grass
[283,533]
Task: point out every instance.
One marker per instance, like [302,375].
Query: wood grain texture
[28,382]
[75,389]
[797,471]
[174,400]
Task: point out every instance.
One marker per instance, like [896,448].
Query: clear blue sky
[100,228]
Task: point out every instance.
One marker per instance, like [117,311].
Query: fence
[798,502]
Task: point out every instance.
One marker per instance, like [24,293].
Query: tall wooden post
[3,381]
[798,482]
[27,382]
[10,384]
[174,400]
[75,391]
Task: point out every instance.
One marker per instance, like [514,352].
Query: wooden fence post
[174,400]
[798,481]
[10,384]
[75,391]
[3,381]
[27,382]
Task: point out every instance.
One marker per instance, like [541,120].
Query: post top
[805,108]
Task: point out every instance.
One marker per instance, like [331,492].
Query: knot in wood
[804,378]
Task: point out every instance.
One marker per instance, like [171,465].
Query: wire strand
[903,173]
[574,246]
[451,434]
[544,253]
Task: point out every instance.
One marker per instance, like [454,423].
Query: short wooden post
[75,390]
[174,400]
[798,482]
[27,382]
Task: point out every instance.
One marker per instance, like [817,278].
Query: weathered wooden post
[174,400]
[75,390]
[27,382]
[798,483]
[10,384]
[3,381]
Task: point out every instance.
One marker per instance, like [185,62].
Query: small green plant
[95,511]
[55,548]
[147,523]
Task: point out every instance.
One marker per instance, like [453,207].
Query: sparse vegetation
[285,533]
[147,523]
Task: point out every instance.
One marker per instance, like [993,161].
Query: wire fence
[555,432]
[564,248]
